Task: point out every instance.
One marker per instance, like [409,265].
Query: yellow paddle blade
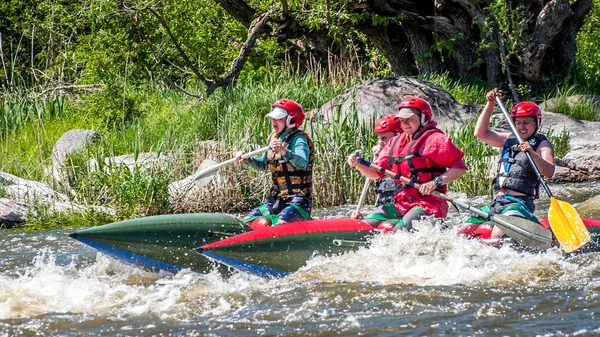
[567,226]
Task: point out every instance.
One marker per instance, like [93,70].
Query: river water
[427,283]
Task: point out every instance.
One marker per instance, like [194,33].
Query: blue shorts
[287,213]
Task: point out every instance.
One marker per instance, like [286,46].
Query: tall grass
[571,102]
[560,141]
[478,157]
[177,126]
[27,125]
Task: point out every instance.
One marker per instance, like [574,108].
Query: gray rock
[379,97]
[590,209]
[583,158]
[145,160]
[24,190]
[551,104]
[70,142]
[12,213]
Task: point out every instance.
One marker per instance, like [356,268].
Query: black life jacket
[288,181]
[514,169]
[387,188]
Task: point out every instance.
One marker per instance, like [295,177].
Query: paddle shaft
[213,169]
[520,139]
[477,211]
[230,161]
[363,194]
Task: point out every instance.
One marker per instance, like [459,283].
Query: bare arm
[365,171]
[543,157]
[447,177]
[482,128]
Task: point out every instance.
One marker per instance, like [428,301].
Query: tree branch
[158,63]
[239,9]
[233,72]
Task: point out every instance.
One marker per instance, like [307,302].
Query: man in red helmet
[516,184]
[422,153]
[386,128]
[290,161]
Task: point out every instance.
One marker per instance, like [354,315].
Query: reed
[560,141]
[463,92]
[478,158]
[45,218]
[572,102]
[187,132]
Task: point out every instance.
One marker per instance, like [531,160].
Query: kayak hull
[169,242]
[276,251]
[163,242]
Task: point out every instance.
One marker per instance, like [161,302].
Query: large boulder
[12,213]
[583,158]
[590,208]
[381,96]
[71,141]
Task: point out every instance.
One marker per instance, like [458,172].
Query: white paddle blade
[202,180]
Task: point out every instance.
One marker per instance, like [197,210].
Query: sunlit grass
[573,103]
[176,126]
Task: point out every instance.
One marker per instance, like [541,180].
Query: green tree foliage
[588,50]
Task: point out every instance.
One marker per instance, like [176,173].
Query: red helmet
[294,111]
[388,123]
[526,109]
[419,104]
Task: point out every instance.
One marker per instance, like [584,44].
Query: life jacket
[414,158]
[288,181]
[405,157]
[386,190]
[514,170]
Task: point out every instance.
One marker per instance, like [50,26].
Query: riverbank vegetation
[66,67]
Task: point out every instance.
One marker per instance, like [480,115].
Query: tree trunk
[547,28]
[566,43]
[426,59]
[239,9]
[391,42]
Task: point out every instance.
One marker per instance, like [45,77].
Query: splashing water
[424,283]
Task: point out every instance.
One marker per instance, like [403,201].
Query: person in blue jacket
[290,161]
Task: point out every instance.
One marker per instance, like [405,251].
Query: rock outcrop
[375,98]
[12,213]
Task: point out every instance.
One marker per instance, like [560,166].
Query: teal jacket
[297,153]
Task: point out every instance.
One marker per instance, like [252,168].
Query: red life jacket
[418,160]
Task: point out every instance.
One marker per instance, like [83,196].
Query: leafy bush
[559,141]
[588,54]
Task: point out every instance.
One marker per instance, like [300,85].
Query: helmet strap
[423,119]
[290,122]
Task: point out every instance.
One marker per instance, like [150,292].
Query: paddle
[566,224]
[526,232]
[207,171]
[363,195]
